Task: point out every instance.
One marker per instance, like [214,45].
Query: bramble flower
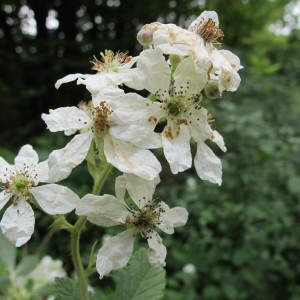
[174,40]
[122,128]
[112,71]
[225,64]
[46,271]
[197,42]
[19,182]
[179,96]
[139,217]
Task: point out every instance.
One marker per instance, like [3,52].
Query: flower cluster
[120,126]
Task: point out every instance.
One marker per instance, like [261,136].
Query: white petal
[101,84]
[204,17]
[158,251]
[136,82]
[115,253]
[207,164]
[218,139]
[232,59]
[55,199]
[69,78]
[229,79]
[134,119]
[172,39]
[177,150]
[17,223]
[42,170]
[141,136]
[155,70]
[130,159]
[3,166]
[174,217]
[4,197]
[6,171]
[199,128]
[3,163]
[26,156]
[186,72]
[140,190]
[119,77]
[69,119]
[103,210]
[61,162]
[120,187]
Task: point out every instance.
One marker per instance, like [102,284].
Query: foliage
[140,280]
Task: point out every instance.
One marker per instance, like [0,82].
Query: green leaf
[66,289]
[8,253]
[27,264]
[140,281]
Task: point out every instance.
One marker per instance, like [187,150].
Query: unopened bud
[145,35]
[212,90]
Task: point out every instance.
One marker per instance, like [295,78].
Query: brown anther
[209,31]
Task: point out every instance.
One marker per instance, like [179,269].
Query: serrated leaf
[66,289]
[139,280]
[8,253]
[27,264]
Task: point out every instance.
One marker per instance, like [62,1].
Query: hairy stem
[82,273]
[75,250]
[99,181]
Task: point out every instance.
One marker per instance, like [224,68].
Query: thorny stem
[82,273]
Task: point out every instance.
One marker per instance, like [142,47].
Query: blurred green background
[242,240]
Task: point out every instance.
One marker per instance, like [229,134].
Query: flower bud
[212,90]
[145,35]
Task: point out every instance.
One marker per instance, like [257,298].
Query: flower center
[110,61]
[175,106]
[100,118]
[209,31]
[19,182]
[147,217]
[179,104]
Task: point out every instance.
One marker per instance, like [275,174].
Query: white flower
[107,210]
[113,70]
[19,183]
[172,39]
[46,272]
[122,128]
[225,64]
[180,98]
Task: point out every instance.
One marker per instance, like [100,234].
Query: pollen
[100,115]
[147,217]
[110,61]
[209,31]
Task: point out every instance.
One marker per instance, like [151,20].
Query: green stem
[99,181]
[82,273]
